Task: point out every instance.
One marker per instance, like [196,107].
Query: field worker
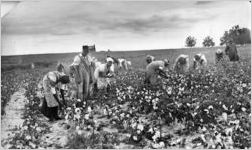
[231,51]
[51,102]
[102,73]
[149,59]
[86,59]
[219,56]
[155,69]
[199,61]
[96,63]
[115,60]
[182,63]
[32,66]
[128,64]
[123,64]
[112,59]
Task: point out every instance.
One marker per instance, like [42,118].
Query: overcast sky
[64,26]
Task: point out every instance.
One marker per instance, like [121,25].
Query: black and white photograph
[124,74]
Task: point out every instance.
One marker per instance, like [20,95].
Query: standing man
[86,59]
[51,101]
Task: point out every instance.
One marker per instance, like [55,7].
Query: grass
[136,57]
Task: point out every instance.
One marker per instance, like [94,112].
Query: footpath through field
[13,117]
[12,122]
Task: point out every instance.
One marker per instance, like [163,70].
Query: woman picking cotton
[103,73]
[154,70]
[51,102]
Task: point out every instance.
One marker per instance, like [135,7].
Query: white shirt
[77,59]
[102,68]
[202,58]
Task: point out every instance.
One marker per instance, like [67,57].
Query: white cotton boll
[224,116]
[135,138]
[133,125]
[28,137]
[161,144]
[206,110]
[77,128]
[69,109]
[224,106]
[77,110]
[38,129]
[244,85]
[229,131]
[140,127]
[79,132]
[25,127]
[243,109]
[204,129]
[122,115]
[77,117]
[156,145]
[89,109]
[86,116]
[154,137]
[151,130]
[138,132]
[105,112]
[210,107]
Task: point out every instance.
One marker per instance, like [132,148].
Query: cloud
[69,18]
[204,2]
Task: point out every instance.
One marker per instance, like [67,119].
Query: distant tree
[208,41]
[190,41]
[237,35]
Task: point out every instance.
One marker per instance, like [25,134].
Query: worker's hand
[110,75]
[162,74]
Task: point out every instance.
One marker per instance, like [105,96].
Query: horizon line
[110,51]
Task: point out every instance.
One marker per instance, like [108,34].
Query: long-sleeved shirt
[50,81]
[153,66]
[181,63]
[103,69]
[202,61]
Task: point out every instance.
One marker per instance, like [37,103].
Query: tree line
[236,34]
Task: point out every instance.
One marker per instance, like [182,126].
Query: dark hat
[84,47]
[65,79]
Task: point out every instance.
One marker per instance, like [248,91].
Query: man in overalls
[86,59]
